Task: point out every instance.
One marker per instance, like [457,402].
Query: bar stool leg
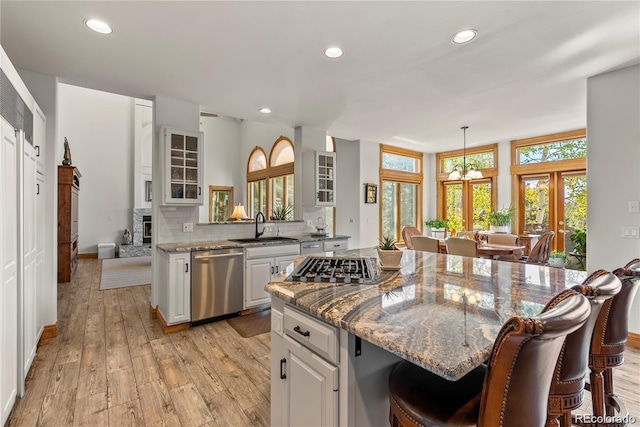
[597,392]
[565,420]
[608,392]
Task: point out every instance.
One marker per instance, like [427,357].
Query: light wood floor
[111,365]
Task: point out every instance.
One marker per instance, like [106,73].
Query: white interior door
[9,271]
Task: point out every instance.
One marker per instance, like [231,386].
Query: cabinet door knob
[283,364]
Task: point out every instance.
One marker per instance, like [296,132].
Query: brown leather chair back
[612,327]
[540,252]
[464,247]
[522,363]
[424,243]
[407,232]
[570,373]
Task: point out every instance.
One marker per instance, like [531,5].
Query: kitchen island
[415,313]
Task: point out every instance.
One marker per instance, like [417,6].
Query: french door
[467,204]
[555,201]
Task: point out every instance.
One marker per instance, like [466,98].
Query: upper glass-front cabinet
[183,167]
[324,178]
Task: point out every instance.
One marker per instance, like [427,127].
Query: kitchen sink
[262,239]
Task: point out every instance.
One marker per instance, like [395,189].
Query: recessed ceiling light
[464,36]
[333,52]
[98,26]
[265,110]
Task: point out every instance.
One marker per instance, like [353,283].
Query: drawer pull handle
[272,269]
[38,151]
[301,332]
[283,363]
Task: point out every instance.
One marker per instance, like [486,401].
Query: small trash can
[106,250]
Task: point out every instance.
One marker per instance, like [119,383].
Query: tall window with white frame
[466,203]
[401,192]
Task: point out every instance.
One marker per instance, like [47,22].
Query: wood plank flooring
[111,365]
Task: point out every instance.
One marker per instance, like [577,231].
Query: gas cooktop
[334,270]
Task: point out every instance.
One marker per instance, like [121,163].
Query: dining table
[490,250]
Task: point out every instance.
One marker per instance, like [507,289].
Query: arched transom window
[270,188]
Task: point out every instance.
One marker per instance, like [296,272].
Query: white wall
[369,213]
[224,165]
[613,171]
[99,128]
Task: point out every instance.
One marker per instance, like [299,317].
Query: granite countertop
[411,313]
[226,244]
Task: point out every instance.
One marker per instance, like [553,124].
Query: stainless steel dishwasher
[216,283]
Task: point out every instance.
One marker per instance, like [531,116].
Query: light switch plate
[634,206]
[187,227]
[630,232]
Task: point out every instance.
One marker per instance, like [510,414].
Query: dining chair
[407,232]
[540,252]
[510,390]
[463,247]
[609,340]
[466,234]
[424,243]
[503,239]
[507,239]
[568,381]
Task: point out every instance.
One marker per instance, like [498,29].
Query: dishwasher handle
[200,257]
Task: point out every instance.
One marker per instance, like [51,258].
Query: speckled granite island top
[226,244]
[414,312]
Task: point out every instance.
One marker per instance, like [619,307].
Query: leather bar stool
[511,390]
[567,385]
[609,341]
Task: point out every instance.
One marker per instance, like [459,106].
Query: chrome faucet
[259,214]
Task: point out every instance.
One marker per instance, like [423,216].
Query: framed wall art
[370,193]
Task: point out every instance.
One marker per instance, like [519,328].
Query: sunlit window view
[400,195]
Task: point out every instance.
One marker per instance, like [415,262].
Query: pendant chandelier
[467,171]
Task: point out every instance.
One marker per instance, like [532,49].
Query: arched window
[257,182]
[271,184]
[281,179]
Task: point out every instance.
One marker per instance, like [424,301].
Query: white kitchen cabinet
[39,136]
[310,388]
[319,178]
[27,327]
[263,264]
[183,167]
[175,286]
[41,283]
[9,271]
[304,369]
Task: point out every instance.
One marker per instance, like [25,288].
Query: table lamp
[238,212]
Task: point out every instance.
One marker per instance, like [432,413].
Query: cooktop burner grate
[340,270]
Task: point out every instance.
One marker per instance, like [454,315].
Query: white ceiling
[400,82]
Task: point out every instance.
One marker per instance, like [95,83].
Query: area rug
[123,272]
[251,324]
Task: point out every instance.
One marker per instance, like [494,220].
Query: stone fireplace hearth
[142,223]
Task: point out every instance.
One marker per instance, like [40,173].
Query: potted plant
[557,259]
[437,227]
[579,240]
[282,213]
[500,220]
[389,254]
